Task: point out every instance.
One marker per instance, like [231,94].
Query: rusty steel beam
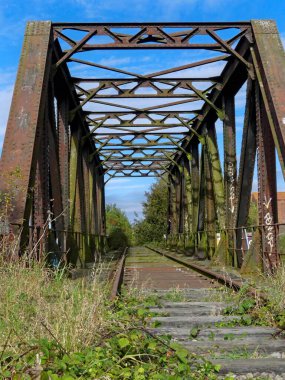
[27,117]
[150,36]
[143,81]
[246,168]
[267,188]
[233,76]
[269,62]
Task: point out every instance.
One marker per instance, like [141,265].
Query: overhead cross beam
[151,35]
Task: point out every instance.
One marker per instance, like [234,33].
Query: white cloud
[113,61]
[161,9]
[283,39]
[5,102]
[7,78]
[113,187]
[240,98]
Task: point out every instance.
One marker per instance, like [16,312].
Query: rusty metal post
[173,205]
[202,235]
[230,171]
[195,175]
[181,207]
[246,168]
[64,152]
[269,63]
[74,198]
[26,120]
[216,172]
[267,188]
[221,253]
[210,212]
[188,207]
[187,198]
[169,207]
[178,189]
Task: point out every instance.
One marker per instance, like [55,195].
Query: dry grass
[37,303]
[274,287]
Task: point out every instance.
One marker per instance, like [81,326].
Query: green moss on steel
[180,242]
[74,151]
[203,243]
[221,256]
[188,200]
[252,260]
[190,245]
[217,176]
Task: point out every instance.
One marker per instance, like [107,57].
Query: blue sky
[126,193]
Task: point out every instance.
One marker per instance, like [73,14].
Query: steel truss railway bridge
[75,124]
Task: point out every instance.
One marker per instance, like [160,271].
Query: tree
[154,224]
[252,219]
[119,229]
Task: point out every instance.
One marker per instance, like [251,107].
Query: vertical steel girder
[60,148]
[54,193]
[26,119]
[212,151]
[195,176]
[175,208]
[230,162]
[187,198]
[230,172]
[210,209]
[202,190]
[246,169]
[269,62]
[267,188]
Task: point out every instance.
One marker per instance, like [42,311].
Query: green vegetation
[254,310]
[176,295]
[52,327]
[281,243]
[154,224]
[252,219]
[119,230]
[194,333]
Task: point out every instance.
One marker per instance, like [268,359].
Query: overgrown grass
[36,303]
[52,327]
[281,242]
[274,289]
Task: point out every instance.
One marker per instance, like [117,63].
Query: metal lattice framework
[74,121]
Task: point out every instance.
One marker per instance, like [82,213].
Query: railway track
[191,309]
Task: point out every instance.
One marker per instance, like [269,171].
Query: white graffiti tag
[231,177]
[269,229]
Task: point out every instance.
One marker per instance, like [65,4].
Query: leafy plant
[229,336]
[243,307]
[153,226]
[119,230]
[194,332]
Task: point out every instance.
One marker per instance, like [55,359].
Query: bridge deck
[146,269]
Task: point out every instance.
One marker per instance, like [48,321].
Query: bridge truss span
[84,113]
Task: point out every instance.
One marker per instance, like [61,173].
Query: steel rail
[223,279]
[118,276]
